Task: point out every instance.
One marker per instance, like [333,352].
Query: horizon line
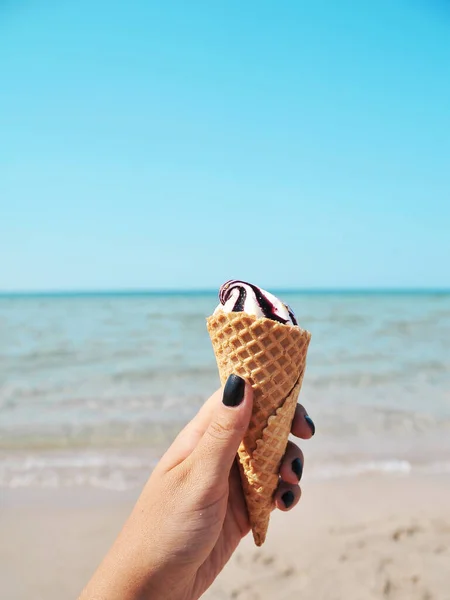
[210,291]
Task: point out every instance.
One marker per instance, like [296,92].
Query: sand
[373,537]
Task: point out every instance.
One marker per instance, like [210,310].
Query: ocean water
[94,387]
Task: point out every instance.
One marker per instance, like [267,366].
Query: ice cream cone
[272,357]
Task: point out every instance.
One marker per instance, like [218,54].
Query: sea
[94,387]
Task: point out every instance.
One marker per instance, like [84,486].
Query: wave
[110,471]
[73,461]
[338,471]
[121,472]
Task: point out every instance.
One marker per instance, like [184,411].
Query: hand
[191,514]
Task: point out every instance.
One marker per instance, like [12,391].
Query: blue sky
[180,144]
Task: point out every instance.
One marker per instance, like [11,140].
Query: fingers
[302,424]
[216,450]
[287,496]
[288,492]
[189,436]
[291,468]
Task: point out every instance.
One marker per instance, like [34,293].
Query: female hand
[191,514]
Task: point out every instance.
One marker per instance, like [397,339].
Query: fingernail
[310,424]
[233,393]
[297,467]
[288,498]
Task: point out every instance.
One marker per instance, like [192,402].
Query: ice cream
[256,336]
[240,296]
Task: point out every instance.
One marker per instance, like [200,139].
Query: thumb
[216,450]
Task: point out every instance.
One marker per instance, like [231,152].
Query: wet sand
[364,538]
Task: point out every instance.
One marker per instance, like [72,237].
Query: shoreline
[120,470]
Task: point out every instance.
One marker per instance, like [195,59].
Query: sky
[165,145]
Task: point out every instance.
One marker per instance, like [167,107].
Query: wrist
[127,574]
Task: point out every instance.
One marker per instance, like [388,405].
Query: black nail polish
[233,393]
[297,467]
[310,424]
[288,498]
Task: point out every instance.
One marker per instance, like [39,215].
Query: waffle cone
[271,356]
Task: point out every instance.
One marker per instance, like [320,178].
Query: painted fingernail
[297,467]
[233,393]
[288,498]
[310,424]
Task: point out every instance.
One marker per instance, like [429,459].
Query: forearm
[119,577]
[137,568]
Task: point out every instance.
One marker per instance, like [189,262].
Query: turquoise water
[117,375]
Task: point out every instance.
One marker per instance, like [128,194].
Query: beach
[368,538]
[93,388]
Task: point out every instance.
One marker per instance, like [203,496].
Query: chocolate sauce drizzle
[266,306]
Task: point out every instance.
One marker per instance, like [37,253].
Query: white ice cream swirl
[240,296]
